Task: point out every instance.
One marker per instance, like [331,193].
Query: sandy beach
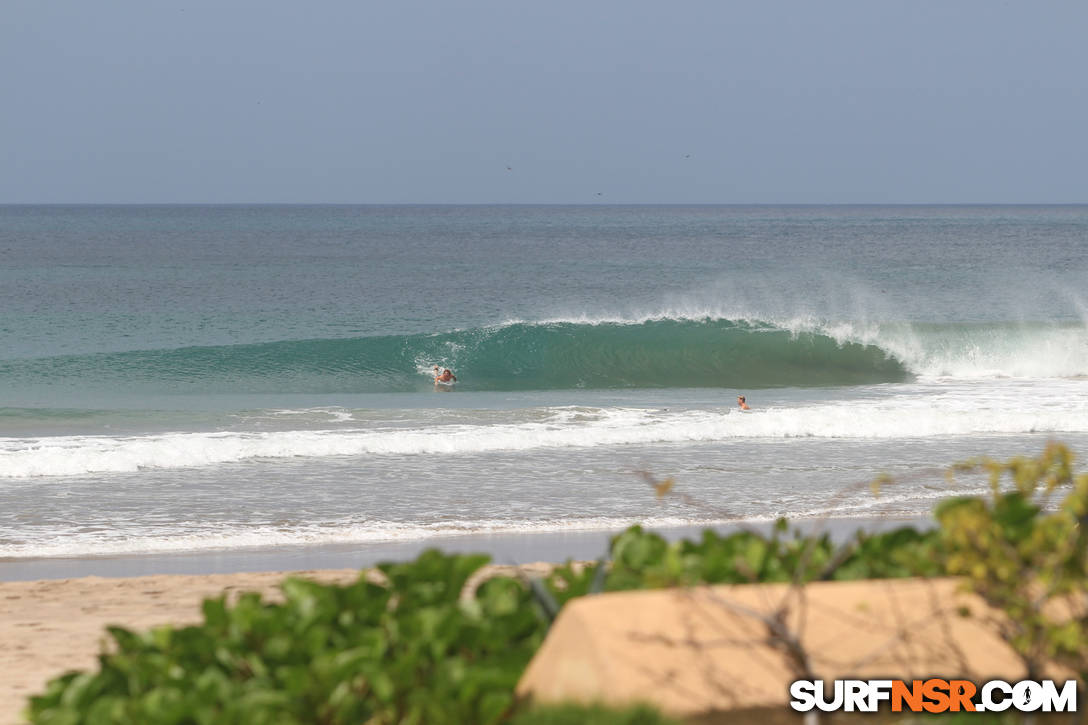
[53,613]
[51,626]
[48,627]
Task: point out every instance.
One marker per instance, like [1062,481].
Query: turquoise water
[194,377]
[660,353]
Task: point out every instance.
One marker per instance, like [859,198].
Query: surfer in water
[445,376]
[740,401]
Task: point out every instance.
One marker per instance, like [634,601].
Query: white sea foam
[333,414]
[236,536]
[920,415]
[240,537]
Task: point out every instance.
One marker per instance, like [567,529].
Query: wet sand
[507,548]
[53,611]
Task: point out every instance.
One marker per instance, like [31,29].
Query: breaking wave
[571,354]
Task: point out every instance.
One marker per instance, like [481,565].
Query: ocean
[222,378]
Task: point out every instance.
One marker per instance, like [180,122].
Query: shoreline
[53,613]
[504,548]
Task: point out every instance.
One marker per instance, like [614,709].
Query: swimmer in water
[445,376]
[741,403]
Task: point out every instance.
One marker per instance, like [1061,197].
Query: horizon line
[544,204]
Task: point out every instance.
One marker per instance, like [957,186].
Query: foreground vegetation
[414,646]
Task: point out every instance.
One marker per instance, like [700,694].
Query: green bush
[410,651]
[644,560]
[1027,555]
[406,653]
[591,715]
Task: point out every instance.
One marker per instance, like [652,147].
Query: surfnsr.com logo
[934,695]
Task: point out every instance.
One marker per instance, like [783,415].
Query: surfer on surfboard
[445,376]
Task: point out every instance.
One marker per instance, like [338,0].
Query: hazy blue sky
[590,101]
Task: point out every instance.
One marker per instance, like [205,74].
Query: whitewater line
[78,455]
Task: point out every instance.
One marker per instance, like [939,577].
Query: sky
[595,101]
